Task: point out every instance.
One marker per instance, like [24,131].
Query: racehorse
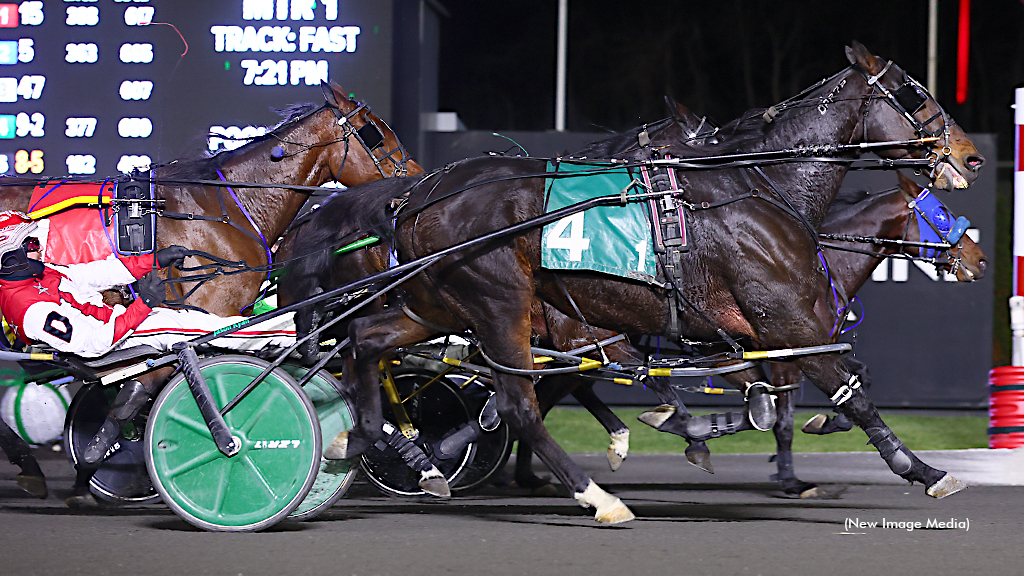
[339,140]
[754,276]
[883,216]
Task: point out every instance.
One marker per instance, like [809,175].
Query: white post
[1018,194]
[563,34]
[933,46]
[1017,330]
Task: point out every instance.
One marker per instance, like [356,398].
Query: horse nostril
[974,162]
[982,264]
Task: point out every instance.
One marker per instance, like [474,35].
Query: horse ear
[860,56]
[679,112]
[328,90]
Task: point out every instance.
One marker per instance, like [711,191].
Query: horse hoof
[433,482]
[82,502]
[655,418]
[813,493]
[618,449]
[699,455]
[34,485]
[615,515]
[545,491]
[610,510]
[946,486]
[338,447]
[815,424]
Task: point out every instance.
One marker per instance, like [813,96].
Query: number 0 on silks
[614,239]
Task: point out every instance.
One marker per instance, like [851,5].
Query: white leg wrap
[610,510]
[618,449]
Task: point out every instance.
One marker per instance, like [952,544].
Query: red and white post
[1017,300]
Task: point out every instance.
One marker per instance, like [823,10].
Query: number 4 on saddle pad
[614,240]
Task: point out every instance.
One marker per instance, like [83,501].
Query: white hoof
[946,486]
[618,449]
[434,483]
[610,510]
[338,447]
[655,418]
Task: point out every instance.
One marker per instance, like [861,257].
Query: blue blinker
[935,222]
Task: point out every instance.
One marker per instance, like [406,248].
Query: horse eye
[911,97]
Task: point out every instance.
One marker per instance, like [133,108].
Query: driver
[62,306]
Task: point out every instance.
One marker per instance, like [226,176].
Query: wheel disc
[269,476]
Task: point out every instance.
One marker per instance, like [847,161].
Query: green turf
[577,431]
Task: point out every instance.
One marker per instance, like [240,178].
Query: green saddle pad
[610,239]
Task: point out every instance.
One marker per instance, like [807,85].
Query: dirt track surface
[689,522]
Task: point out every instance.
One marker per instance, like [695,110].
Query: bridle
[909,99]
[936,224]
[369,136]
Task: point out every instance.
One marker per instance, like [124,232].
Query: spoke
[222,488]
[247,462]
[197,426]
[200,460]
[257,414]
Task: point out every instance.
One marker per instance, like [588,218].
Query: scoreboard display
[97,87]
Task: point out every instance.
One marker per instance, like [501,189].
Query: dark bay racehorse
[755,275]
[339,140]
[886,216]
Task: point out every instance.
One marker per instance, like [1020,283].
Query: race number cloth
[611,239]
[75,235]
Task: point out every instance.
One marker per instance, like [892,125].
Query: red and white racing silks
[64,309]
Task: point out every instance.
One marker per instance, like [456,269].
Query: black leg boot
[126,405]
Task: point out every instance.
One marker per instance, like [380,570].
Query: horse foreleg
[825,424]
[832,377]
[672,417]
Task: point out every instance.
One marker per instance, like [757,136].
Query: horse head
[371,150]
[902,109]
[966,259]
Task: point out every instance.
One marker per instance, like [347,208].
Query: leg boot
[127,403]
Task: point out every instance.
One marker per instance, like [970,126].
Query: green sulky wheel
[269,476]
[336,416]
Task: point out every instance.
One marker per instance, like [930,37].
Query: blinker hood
[936,223]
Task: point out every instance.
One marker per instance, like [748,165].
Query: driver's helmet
[15,227]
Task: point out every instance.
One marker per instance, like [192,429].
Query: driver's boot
[127,403]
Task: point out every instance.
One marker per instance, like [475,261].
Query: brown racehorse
[317,144]
[885,216]
[755,276]
[316,149]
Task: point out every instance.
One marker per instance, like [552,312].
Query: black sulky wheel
[121,477]
[436,410]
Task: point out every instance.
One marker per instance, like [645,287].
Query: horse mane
[619,144]
[205,167]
